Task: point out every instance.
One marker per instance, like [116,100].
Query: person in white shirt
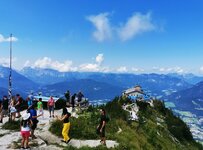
[25,130]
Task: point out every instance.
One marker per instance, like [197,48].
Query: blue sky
[104,35]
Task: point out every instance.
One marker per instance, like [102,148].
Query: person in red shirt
[50,106]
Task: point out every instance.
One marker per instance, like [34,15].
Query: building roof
[45,98]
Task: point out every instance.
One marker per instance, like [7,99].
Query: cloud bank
[67,65]
[135,25]
[96,66]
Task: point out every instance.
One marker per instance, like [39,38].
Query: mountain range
[20,84]
[94,85]
[190,99]
[100,86]
[153,83]
[185,91]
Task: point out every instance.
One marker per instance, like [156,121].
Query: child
[40,107]
[25,130]
[12,109]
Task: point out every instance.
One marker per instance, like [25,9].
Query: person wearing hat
[25,130]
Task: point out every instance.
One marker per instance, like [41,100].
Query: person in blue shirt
[30,100]
[33,117]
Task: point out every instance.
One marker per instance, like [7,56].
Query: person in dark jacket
[18,105]
[73,100]
[4,108]
[101,126]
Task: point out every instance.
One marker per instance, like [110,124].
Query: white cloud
[27,64]
[47,62]
[170,70]
[89,67]
[137,69]
[3,39]
[122,69]
[67,65]
[100,58]
[201,69]
[103,28]
[6,61]
[135,25]
[96,66]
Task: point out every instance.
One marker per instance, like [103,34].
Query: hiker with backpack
[101,126]
[50,106]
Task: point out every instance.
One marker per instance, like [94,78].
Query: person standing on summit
[73,101]
[101,126]
[18,105]
[50,106]
[80,96]
[66,125]
[40,107]
[4,108]
[30,100]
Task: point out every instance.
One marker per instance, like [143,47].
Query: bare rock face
[48,147]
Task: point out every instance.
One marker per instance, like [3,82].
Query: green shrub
[123,100]
[142,105]
[159,106]
[177,127]
[56,127]
[115,111]
[84,127]
[12,125]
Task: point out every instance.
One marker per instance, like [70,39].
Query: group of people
[50,104]
[12,107]
[28,125]
[29,119]
[75,98]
